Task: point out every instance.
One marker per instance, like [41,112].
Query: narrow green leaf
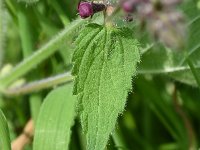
[55,120]
[35,101]
[4,133]
[24,30]
[55,5]
[2,29]
[28,1]
[194,72]
[105,62]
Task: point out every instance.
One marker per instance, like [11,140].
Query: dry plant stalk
[25,137]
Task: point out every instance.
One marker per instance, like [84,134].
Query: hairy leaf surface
[105,61]
[55,120]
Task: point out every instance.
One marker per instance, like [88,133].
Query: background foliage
[36,46]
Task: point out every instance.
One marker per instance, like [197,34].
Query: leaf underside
[105,61]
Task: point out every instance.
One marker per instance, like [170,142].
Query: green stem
[60,12]
[35,101]
[118,140]
[24,30]
[194,71]
[39,56]
[112,15]
[12,8]
[39,85]
[187,123]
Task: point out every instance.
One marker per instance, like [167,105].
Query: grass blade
[4,133]
[2,29]
[55,119]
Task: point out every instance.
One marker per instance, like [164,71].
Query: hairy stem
[40,55]
[39,85]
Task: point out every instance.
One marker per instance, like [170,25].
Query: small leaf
[4,133]
[105,61]
[55,120]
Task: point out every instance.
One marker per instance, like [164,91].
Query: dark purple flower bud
[87,9]
[97,7]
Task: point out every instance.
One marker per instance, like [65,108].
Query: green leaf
[3,17]
[105,61]
[174,63]
[55,120]
[4,133]
[29,1]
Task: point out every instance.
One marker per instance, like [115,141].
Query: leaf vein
[99,87]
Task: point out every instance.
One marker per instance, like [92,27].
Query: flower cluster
[161,17]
